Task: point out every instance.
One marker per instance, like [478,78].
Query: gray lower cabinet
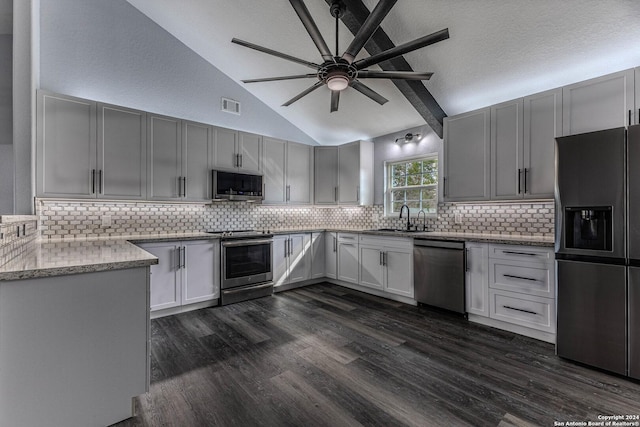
[318,254]
[187,272]
[86,149]
[602,103]
[477,278]
[466,175]
[292,258]
[348,258]
[331,254]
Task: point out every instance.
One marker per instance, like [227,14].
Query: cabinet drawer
[521,253]
[348,237]
[528,278]
[395,242]
[524,310]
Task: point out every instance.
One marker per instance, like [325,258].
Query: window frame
[388,206]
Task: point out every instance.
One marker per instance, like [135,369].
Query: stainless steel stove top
[241,234]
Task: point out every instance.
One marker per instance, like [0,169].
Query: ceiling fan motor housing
[339,68]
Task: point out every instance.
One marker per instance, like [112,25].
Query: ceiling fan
[339,72]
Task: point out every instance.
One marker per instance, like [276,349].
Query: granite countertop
[46,258]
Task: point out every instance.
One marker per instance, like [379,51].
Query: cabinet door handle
[466,259]
[179,257]
[358,193]
[179,186]
[100,181]
[519,253]
[511,276]
[240,156]
[519,309]
[288,193]
[525,180]
[335,194]
[335,244]
[444,186]
[184,257]
[93,181]
[184,188]
[384,258]
[519,176]
[380,257]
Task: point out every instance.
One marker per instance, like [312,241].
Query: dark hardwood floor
[329,356]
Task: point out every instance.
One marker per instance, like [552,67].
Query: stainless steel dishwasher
[438,274]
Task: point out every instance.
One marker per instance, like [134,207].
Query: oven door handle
[251,242]
[246,288]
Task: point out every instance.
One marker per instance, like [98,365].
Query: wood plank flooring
[330,356]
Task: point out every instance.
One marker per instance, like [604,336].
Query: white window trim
[387,184]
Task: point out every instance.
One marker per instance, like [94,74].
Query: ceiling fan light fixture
[338,82]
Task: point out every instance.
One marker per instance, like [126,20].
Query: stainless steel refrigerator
[598,249]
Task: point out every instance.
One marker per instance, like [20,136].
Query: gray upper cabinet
[542,124]
[466,173]
[523,135]
[601,103]
[344,174]
[273,167]
[506,150]
[165,158]
[89,150]
[197,155]
[349,174]
[66,146]
[326,175]
[122,153]
[287,169]
[237,150]
[299,190]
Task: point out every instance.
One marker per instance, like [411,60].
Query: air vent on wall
[230,106]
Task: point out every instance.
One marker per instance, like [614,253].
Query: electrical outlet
[458,218]
[106,221]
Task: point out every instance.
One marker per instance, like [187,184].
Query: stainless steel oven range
[247,265]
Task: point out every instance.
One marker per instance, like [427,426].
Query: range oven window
[247,260]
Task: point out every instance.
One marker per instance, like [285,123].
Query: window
[413,182]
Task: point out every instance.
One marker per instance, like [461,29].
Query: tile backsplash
[87,219]
[17,233]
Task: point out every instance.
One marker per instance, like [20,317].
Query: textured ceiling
[498,50]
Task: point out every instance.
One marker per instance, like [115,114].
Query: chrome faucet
[424,219]
[408,216]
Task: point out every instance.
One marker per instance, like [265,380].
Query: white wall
[109,51]
[386,149]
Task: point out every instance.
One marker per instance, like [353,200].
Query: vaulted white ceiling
[498,50]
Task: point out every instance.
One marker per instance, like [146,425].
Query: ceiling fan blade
[273,79]
[367,91]
[275,53]
[303,93]
[369,27]
[404,75]
[335,100]
[312,28]
[402,49]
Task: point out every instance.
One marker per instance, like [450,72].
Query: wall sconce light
[408,138]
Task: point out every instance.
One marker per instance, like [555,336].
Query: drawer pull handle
[519,253]
[520,309]
[519,277]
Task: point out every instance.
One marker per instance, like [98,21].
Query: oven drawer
[524,310]
[529,278]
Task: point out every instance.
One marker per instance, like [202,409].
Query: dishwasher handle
[441,244]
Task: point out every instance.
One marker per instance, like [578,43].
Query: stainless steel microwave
[237,186]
